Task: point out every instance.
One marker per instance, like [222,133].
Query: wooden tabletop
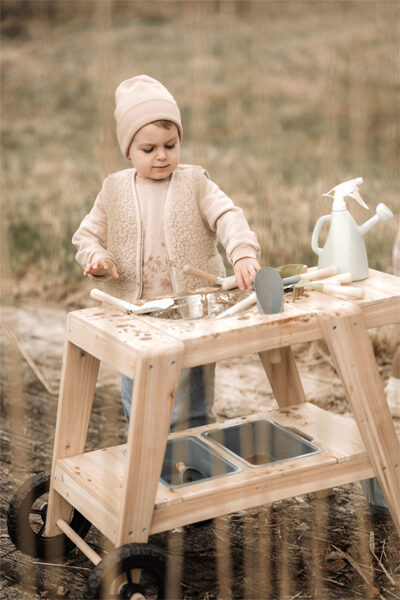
[110,334]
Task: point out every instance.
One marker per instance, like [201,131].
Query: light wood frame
[120,492]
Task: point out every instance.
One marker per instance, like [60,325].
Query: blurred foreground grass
[280,102]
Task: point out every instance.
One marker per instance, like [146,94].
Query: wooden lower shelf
[92,482]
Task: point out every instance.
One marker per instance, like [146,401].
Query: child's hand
[102,267]
[245,270]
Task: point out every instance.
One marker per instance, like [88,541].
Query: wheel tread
[26,540]
[118,560]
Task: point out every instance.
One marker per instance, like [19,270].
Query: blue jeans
[374,495]
[194,398]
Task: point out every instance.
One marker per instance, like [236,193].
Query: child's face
[155,151]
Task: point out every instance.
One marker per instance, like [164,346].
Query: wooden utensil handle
[341,278]
[246,303]
[320,273]
[189,270]
[344,290]
[111,300]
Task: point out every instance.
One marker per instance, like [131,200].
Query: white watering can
[344,246]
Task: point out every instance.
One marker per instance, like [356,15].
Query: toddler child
[150,220]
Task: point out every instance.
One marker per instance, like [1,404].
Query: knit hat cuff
[137,116]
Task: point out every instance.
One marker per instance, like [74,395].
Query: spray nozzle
[347,188]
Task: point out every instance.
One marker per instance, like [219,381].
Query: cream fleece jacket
[197,214]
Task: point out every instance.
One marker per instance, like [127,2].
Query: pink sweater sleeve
[91,235]
[228,222]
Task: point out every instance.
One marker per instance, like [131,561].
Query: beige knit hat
[139,101]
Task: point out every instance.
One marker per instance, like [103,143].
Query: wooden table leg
[283,376]
[350,346]
[285,381]
[78,382]
[156,381]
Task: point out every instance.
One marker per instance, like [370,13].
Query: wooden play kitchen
[119,489]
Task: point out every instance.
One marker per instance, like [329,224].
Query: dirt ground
[304,547]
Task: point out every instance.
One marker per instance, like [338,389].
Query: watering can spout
[383,213]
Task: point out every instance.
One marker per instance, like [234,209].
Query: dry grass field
[280,102]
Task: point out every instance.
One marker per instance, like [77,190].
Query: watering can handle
[316,232]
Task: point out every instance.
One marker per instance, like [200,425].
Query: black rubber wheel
[26,519]
[118,566]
